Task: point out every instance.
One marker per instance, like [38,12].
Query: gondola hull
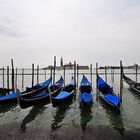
[61,102]
[107,95]
[66,95]
[12,97]
[132,84]
[134,89]
[31,101]
[11,100]
[109,105]
[85,97]
[41,97]
[25,103]
[64,101]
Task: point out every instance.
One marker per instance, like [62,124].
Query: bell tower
[61,62]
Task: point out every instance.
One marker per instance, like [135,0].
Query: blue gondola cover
[101,83]
[62,95]
[112,99]
[11,95]
[86,97]
[84,81]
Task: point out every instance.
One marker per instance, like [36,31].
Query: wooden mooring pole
[105,74]
[54,72]
[8,78]
[121,80]
[16,78]
[96,81]
[12,74]
[77,76]
[136,72]
[74,70]
[45,74]
[51,74]
[64,74]
[32,74]
[91,73]
[3,77]
[37,74]
[22,79]
[112,73]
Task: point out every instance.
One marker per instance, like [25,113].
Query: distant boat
[42,96]
[85,92]
[65,95]
[132,84]
[107,95]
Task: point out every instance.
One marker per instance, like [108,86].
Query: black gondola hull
[109,105]
[31,101]
[28,103]
[12,100]
[132,84]
[56,102]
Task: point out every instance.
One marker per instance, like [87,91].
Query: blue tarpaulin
[86,97]
[60,82]
[112,99]
[47,82]
[84,81]
[62,95]
[11,95]
[101,83]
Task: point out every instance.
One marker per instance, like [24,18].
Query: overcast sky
[88,31]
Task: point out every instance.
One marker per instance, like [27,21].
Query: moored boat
[85,92]
[65,95]
[132,84]
[42,96]
[107,95]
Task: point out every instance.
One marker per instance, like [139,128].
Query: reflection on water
[60,115]
[116,120]
[38,109]
[6,107]
[86,116]
[135,94]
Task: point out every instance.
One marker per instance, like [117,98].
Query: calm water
[45,116]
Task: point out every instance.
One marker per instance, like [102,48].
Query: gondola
[65,95]
[132,84]
[8,97]
[4,91]
[36,88]
[11,96]
[85,92]
[42,96]
[107,95]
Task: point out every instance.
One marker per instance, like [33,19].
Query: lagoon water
[69,121]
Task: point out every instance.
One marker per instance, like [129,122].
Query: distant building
[68,66]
